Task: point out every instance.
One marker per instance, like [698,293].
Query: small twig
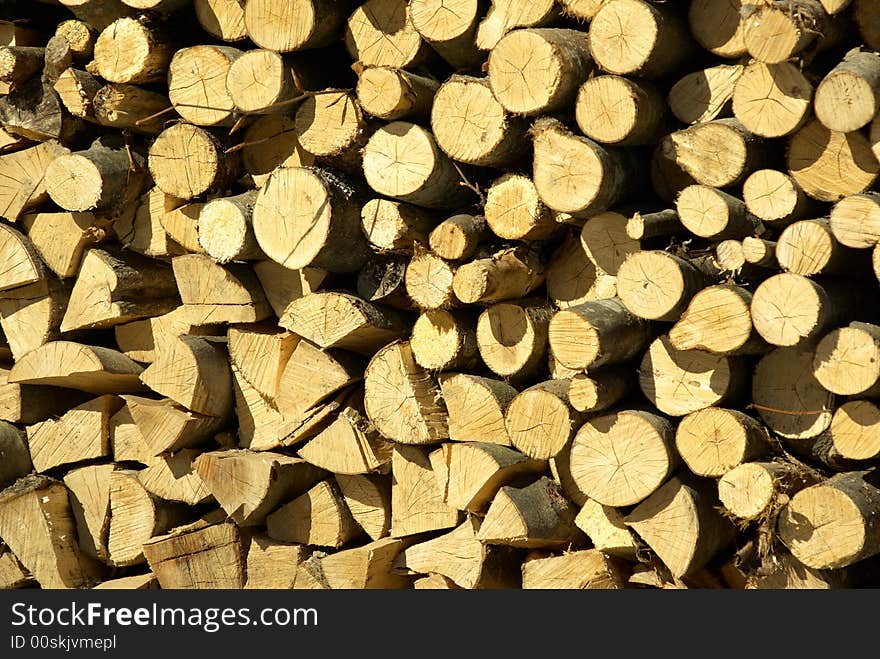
[789,412]
[466,183]
[156,115]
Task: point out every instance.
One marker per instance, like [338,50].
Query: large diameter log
[619,459]
[715,440]
[832,525]
[847,360]
[636,37]
[574,174]
[34,111]
[855,220]
[657,285]
[717,153]
[471,126]
[308,217]
[708,379]
[593,334]
[788,397]
[830,165]
[380,33]
[403,161]
[197,84]
[130,51]
[258,81]
[223,19]
[788,308]
[288,26]
[512,338]
[97,13]
[402,399]
[508,274]
[775,197]
[855,430]
[331,126]
[772,100]
[848,97]
[681,524]
[808,247]
[186,162]
[777,31]
[615,110]
[449,28]
[718,319]
[540,420]
[539,70]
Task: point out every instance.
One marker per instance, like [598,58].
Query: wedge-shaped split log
[681,524]
[172,477]
[207,554]
[251,485]
[89,494]
[213,293]
[318,517]
[94,369]
[417,500]
[114,288]
[476,407]
[135,517]
[194,373]
[79,435]
[165,426]
[37,523]
[588,569]
[365,567]
[349,445]
[530,517]
[470,474]
[368,498]
[462,558]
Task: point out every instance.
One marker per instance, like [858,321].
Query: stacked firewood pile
[440,294]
